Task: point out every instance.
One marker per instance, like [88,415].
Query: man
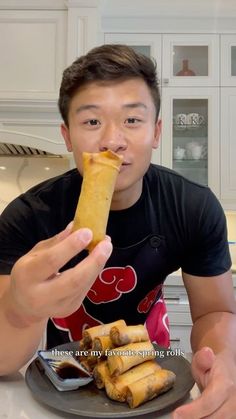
[158,222]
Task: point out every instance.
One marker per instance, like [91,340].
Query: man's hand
[216,377]
[39,291]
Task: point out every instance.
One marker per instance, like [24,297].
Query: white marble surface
[17,174]
[16,402]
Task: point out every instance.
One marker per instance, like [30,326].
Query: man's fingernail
[85,235]
[69,226]
[106,248]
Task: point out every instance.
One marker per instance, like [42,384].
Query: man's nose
[113,138]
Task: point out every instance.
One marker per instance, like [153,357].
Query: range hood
[8,150]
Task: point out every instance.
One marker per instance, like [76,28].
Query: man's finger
[42,264]
[210,400]
[77,281]
[202,362]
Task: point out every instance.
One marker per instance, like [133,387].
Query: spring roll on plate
[125,357]
[101,374]
[149,387]
[100,171]
[123,334]
[101,330]
[116,388]
[101,343]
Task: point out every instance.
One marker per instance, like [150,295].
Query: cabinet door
[228,60]
[32,50]
[190,133]
[190,60]
[228,147]
[147,44]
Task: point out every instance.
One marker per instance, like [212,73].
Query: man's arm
[20,336]
[213,310]
[37,290]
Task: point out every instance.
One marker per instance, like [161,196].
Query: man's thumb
[202,363]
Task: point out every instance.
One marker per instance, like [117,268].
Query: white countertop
[17,402]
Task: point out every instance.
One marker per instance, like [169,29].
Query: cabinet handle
[165,81]
[172,300]
[175,340]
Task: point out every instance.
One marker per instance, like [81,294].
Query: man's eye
[132,120]
[93,122]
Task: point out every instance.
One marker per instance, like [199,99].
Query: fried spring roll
[149,387]
[101,343]
[125,357]
[101,330]
[101,374]
[100,171]
[122,335]
[116,388]
[89,362]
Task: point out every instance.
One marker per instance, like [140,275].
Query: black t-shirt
[187,215]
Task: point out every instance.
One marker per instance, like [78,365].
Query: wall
[17,174]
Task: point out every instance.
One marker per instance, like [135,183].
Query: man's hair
[107,63]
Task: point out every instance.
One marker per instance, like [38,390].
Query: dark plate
[90,402]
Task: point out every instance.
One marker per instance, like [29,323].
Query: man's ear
[157,134]
[66,135]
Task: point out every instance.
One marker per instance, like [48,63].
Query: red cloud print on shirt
[111,284]
[145,304]
[157,322]
[76,323]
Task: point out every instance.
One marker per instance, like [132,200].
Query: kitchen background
[194,44]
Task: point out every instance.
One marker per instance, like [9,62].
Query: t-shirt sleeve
[208,253]
[16,233]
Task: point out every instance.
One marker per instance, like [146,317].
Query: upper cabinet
[33,53]
[190,134]
[190,60]
[228,60]
[147,44]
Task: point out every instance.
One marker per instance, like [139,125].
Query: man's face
[117,116]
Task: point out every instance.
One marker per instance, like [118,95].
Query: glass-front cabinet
[188,68]
[190,133]
[228,60]
[147,44]
[190,138]
[191,60]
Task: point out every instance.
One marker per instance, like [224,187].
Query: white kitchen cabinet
[147,44]
[177,304]
[190,133]
[180,321]
[190,60]
[228,60]
[198,106]
[33,53]
[228,147]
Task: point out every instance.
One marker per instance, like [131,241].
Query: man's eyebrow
[135,105]
[86,107]
[131,105]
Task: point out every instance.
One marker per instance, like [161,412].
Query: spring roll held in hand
[100,172]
